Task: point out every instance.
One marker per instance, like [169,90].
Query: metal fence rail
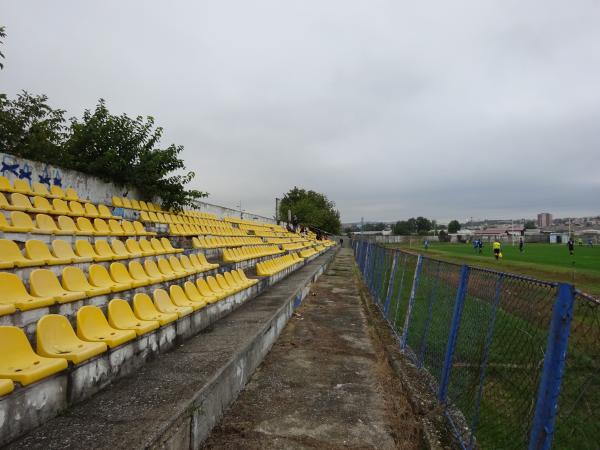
[515,360]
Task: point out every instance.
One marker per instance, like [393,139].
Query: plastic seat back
[120,250]
[115,227]
[117,202]
[5,184]
[65,223]
[60,206]
[164,267]
[46,223]
[139,228]
[178,296]
[41,203]
[57,191]
[37,250]
[76,208]
[71,194]
[22,186]
[213,285]
[91,210]
[73,279]
[152,269]
[85,249]
[104,211]
[101,226]
[119,273]
[10,253]
[135,204]
[100,277]
[84,225]
[43,283]
[127,227]
[104,249]
[137,271]
[231,281]
[20,201]
[133,246]
[157,246]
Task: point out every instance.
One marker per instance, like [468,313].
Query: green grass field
[550,262]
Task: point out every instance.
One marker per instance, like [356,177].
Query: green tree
[379,226]
[311,209]
[402,227]
[2,36]
[117,149]
[31,129]
[530,225]
[423,225]
[443,236]
[453,226]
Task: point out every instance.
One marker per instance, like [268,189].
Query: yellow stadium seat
[206,291]
[146,310]
[5,185]
[146,246]
[128,229]
[140,230]
[7,206]
[63,249]
[92,326]
[245,278]
[73,279]
[166,270]
[57,192]
[135,204]
[56,338]
[41,189]
[19,363]
[61,207]
[197,264]
[157,246]
[166,244]
[163,303]
[76,208]
[102,227]
[223,284]
[137,272]
[205,263]
[67,224]
[119,273]
[104,212]
[117,202]
[121,250]
[152,270]
[240,282]
[178,267]
[71,194]
[115,228]
[20,202]
[134,249]
[38,251]
[91,210]
[13,293]
[179,298]
[105,251]
[43,283]
[100,277]
[46,225]
[152,207]
[22,186]
[85,226]
[84,249]
[143,205]
[11,256]
[187,265]
[232,282]
[121,317]
[6,387]
[197,243]
[192,292]
[42,205]
[126,203]
[144,217]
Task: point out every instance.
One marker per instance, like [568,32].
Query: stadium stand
[79,281]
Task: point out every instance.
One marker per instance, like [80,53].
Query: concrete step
[176,399]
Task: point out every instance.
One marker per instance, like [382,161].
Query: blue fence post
[546,405]
[390,289]
[451,346]
[411,302]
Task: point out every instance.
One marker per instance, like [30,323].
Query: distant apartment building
[544,220]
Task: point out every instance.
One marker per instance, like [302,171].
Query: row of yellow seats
[244,253]
[47,290]
[141,205]
[20,202]
[294,246]
[57,343]
[224,241]
[167,218]
[21,222]
[272,266]
[23,187]
[37,252]
[308,252]
[194,230]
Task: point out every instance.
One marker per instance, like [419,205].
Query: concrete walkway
[325,383]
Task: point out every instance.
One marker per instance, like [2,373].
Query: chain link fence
[516,361]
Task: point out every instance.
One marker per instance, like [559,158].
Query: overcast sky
[391,108]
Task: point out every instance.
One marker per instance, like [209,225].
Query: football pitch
[550,262]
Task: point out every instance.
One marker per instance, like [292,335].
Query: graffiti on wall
[11,166]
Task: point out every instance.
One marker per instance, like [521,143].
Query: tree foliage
[530,225]
[374,226]
[453,226]
[118,149]
[420,225]
[2,36]
[311,209]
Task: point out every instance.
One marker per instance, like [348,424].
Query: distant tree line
[311,209]
[423,226]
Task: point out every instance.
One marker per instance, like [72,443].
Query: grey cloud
[393,109]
